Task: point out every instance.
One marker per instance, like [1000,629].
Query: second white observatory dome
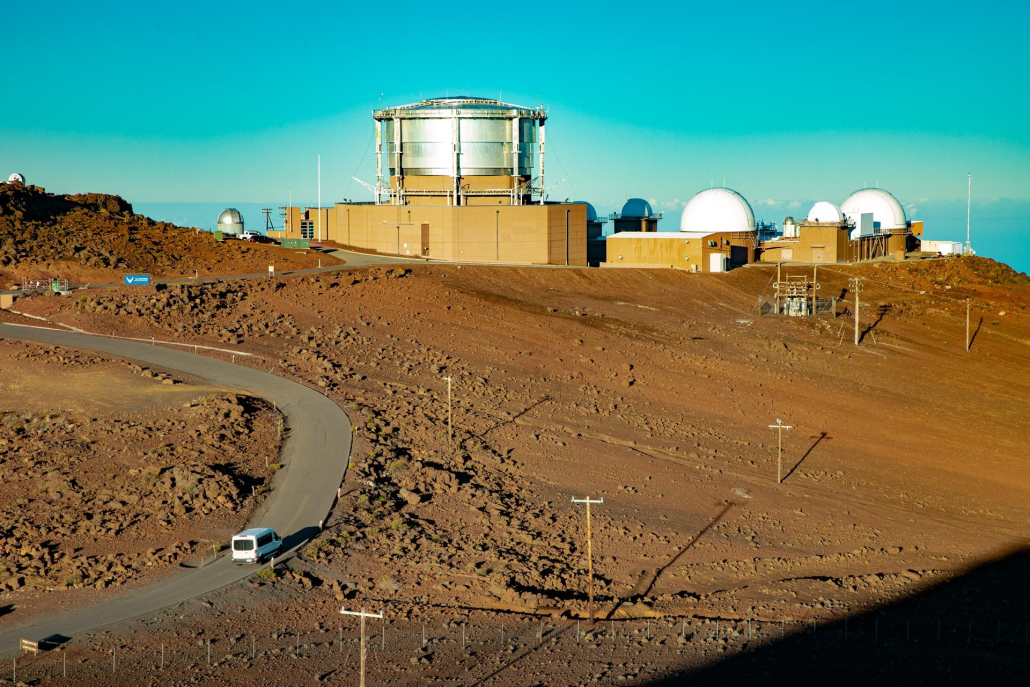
[824,211]
[717,210]
[887,211]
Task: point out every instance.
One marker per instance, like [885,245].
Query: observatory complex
[460,179]
[463,179]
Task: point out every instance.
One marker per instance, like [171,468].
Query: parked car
[247,235]
[255,545]
[255,238]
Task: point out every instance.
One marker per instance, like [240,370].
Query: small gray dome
[637,207]
[230,216]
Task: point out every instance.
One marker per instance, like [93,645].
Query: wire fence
[393,644]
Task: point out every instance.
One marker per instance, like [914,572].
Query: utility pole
[968,342]
[362,615]
[969,205]
[856,287]
[779,427]
[320,198]
[450,425]
[590,553]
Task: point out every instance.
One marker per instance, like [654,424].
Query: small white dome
[637,207]
[16,178]
[825,212]
[717,209]
[887,211]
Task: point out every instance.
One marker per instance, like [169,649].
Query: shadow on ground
[973,629]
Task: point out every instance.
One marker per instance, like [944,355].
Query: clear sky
[789,102]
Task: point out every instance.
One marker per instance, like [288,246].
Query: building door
[425,239]
[717,262]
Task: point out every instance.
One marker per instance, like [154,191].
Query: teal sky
[788,102]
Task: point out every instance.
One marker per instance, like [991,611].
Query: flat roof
[682,235]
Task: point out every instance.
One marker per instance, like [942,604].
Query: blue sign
[137,280]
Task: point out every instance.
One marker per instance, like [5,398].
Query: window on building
[307,229]
[712,243]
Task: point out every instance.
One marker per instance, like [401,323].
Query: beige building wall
[658,250]
[524,234]
[296,215]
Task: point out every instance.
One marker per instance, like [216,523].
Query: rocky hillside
[44,234]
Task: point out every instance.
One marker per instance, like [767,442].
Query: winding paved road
[316,452]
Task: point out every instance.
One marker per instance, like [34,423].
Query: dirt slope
[905,466]
[95,238]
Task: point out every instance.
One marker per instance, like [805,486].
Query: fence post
[463,635]
[253,648]
[502,633]
[424,635]
[577,629]
[162,655]
[717,630]
[114,659]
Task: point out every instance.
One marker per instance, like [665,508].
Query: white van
[255,545]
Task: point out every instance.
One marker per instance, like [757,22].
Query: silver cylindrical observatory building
[459,151]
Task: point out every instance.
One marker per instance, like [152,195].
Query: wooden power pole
[362,615]
[779,427]
[590,554]
[856,286]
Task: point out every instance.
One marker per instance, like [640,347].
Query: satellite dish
[16,178]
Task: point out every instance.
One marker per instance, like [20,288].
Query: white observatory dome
[637,207]
[887,211]
[717,209]
[825,212]
[591,212]
[16,179]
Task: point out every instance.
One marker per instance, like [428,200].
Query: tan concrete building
[456,179]
[550,234]
[830,243]
[694,252]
